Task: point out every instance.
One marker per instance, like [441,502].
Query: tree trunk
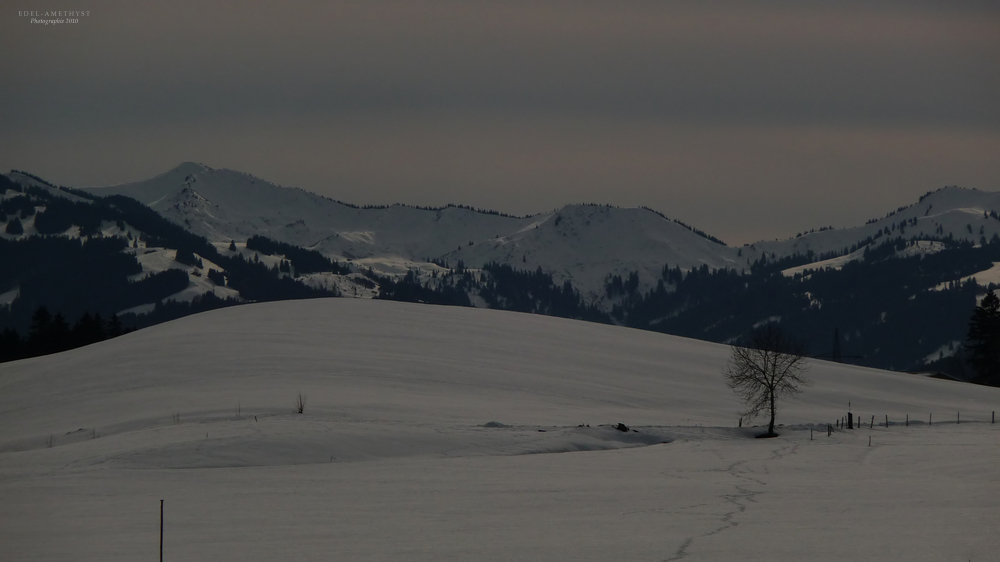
[770,427]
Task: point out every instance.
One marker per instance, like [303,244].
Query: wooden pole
[887,421]
[930,419]
[872,426]
[959,417]
[161,530]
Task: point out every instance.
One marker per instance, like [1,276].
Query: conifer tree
[14,226]
[88,329]
[59,334]
[40,322]
[10,345]
[114,328]
[983,344]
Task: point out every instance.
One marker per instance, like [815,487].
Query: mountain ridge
[582,243]
[225,205]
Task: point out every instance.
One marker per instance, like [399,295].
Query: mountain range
[631,266]
[581,243]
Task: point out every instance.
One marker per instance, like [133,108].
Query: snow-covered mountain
[963,214]
[581,243]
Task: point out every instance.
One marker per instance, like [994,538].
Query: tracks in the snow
[744,496]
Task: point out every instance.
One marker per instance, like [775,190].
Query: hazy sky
[749,120]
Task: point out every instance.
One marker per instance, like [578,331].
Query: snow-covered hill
[424,437]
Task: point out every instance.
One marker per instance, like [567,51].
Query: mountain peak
[174,176]
[185,169]
[157,187]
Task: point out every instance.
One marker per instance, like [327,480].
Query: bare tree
[765,366]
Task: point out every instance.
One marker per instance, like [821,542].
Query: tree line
[51,333]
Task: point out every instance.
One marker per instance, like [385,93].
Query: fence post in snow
[887,421]
[161,530]
[959,418]
[872,426]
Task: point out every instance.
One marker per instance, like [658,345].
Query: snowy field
[436,433]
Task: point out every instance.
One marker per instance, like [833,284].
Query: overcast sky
[749,120]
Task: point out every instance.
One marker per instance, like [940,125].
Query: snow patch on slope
[832,263]
[982,278]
